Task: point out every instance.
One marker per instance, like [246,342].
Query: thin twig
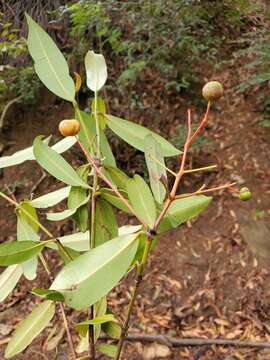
[178,342]
[42,227]
[200,191]
[70,342]
[205,168]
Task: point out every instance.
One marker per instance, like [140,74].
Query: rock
[256,234]
[156,351]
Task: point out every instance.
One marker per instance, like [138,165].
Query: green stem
[92,221]
[97,127]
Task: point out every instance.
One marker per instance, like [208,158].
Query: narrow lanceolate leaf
[112,329]
[118,177]
[85,280]
[25,231]
[142,199]
[109,195]
[77,196]
[9,279]
[21,156]
[100,308]
[80,240]
[30,328]
[29,214]
[50,199]
[49,63]
[55,164]
[65,213]
[134,135]
[108,349]
[154,161]
[88,137]
[183,210]
[106,227]
[83,326]
[96,70]
[48,294]
[16,252]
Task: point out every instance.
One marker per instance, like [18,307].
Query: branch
[5,110]
[108,182]
[178,342]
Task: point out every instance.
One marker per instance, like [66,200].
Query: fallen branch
[178,342]
[6,108]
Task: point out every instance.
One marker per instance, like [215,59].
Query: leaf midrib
[103,264]
[50,64]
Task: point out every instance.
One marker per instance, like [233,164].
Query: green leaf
[88,137]
[30,328]
[114,200]
[48,294]
[112,329]
[156,171]
[182,210]
[21,156]
[142,200]
[49,63]
[73,253]
[85,280]
[96,70]
[55,164]
[80,241]
[134,135]
[25,231]
[77,196]
[9,279]
[106,227]
[81,218]
[51,198]
[58,216]
[108,349]
[100,308]
[82,327]
[118,177]
[27,213]
[16,252]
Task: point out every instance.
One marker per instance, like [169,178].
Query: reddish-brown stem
[108,182]
[181,171]
[199,192]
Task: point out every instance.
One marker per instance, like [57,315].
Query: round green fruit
[213,90]
[244,194]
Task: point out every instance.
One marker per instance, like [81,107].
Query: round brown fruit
[69,127]
[213,90]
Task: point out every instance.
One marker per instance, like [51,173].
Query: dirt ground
[203,279]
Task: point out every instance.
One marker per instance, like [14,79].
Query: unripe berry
[213,90]
[69,127]
[244,194]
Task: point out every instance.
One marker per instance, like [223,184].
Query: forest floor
[203,279]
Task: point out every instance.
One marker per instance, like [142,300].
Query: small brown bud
[69,127]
